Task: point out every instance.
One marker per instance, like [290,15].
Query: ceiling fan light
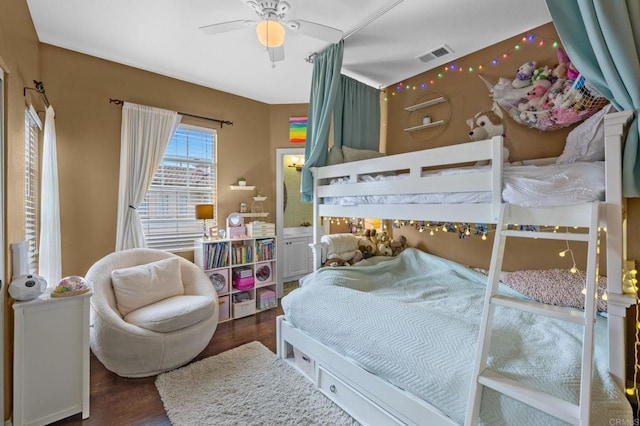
[270,33]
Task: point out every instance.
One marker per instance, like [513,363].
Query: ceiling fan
[270,26]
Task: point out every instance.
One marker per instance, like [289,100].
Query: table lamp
[204,212]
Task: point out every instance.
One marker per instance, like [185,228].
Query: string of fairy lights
[455,67]
[466,230]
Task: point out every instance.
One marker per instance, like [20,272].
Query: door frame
[3,280]
[280,153]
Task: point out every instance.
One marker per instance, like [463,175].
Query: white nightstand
[50,359]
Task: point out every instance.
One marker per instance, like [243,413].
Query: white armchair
[135,336]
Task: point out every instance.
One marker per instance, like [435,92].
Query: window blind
[32,127]
[186,177]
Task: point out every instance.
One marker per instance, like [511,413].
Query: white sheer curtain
[145,135]
[50,257]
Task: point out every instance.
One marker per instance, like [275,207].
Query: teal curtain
[356,116]
[602,38]
[324,89]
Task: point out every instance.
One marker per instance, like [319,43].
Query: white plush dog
[486,124]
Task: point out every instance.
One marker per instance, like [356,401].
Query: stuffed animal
[566,66]
[335,262]
[398,246]
[541,73]
[485,125]
[564,115]
[370,234]
[384,249]
[366,247]
[524,74]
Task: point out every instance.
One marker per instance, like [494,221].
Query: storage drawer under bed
[363,409]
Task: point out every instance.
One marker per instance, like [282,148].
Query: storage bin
[244,283]
[303,362]
[220,280]
[261,229]
[243,309]
[224,308]
[266,298]
[264,273]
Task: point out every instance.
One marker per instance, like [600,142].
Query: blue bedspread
[414,321]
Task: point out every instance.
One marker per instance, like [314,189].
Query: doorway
[291,213]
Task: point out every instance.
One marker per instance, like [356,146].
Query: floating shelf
[242,188]
[425,104]
[425,126]
[254,214]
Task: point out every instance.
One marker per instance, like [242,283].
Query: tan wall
[468,95]
[88,132]
[20,62]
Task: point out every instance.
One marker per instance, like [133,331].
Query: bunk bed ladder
[484,377]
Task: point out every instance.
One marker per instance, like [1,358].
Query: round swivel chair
[131,350]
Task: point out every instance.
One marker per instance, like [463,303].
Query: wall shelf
[426,104]
[425,126]
[242,188]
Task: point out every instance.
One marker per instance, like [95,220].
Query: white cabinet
[243,271]
[51,359]
[298,259]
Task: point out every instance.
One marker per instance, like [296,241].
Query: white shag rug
[247,385]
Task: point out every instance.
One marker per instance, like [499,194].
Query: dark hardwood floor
[120,401]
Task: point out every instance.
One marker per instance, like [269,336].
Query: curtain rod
[40,89]
[199,117]
[379,13]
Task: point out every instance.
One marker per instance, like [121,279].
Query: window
[32,127]
[186,177]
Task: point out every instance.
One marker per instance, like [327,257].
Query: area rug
[247,385]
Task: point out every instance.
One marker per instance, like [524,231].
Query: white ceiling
[163,36]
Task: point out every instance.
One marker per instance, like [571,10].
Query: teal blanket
[414,321]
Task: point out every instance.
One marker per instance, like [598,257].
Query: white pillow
[352,154]
[142,285]
[342,246]
[586,141]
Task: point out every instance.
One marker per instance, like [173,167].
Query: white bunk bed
[373,400]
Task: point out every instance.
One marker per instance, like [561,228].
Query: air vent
[438,52]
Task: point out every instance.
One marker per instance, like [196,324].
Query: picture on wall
[297,129]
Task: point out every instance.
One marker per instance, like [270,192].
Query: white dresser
[51,359]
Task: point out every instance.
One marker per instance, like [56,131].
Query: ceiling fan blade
[224,27]
[315,30]
[276,54]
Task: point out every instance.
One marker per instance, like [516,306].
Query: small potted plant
[242,181]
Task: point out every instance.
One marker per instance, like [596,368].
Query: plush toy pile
[548,98]
[347,249]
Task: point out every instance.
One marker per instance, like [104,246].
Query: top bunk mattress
[527,186]
[414,321]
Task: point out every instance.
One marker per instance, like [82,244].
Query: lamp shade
[270,33]
[204,211]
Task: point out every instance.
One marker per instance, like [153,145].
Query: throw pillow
[352,154]
[335,156]
[558,287]
[142,285]
[586,141]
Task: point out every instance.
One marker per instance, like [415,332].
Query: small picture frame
[213,232]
